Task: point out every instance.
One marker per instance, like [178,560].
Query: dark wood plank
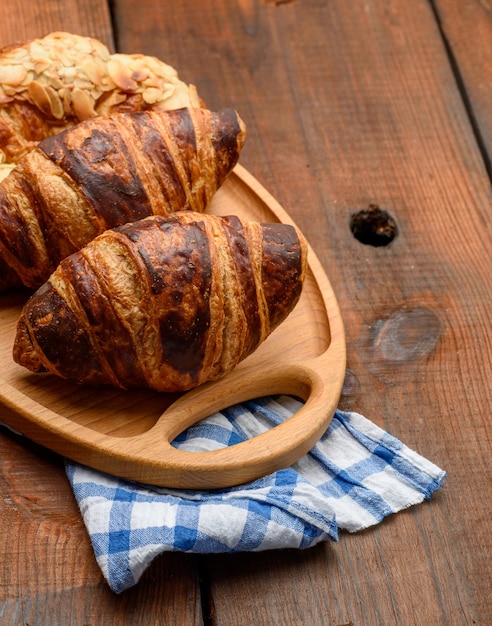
[21,20]
[467,29]
[349,104]
[48,573]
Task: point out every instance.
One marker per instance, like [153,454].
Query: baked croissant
[107,171]
[49,84]
[165,303]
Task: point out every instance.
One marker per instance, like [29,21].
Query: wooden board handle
[152,459]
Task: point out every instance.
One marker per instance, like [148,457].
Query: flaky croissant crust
[107,171]
[165,303]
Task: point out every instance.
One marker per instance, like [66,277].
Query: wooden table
[348,104]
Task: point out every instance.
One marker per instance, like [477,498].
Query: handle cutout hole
[237,423]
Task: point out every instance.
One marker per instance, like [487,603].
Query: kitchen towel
[356,475]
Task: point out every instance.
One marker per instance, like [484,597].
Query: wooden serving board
[129,434]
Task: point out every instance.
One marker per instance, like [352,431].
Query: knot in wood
[373,226]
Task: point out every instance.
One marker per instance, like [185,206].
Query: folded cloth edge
[382,446]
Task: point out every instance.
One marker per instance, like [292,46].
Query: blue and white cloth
[356,475]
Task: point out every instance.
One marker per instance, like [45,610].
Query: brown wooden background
[347,103]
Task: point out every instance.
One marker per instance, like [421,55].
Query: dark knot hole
[373,226]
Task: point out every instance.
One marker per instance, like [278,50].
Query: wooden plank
[349,104]
[48,573]
[21,20]
[467,29]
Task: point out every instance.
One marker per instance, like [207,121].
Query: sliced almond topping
[56,83]
[81,83]
[159,68]
[152,95]
[41,65]
[37,50]
[106,104]
[137,65]
[66,96]
[9,90]
[28,78]
[121,74]
[12,74]
[46,99]
[94,70]
[68,73]
[83,104]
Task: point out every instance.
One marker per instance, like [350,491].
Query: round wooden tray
[129,434]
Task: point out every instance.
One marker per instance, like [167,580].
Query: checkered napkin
[353,477]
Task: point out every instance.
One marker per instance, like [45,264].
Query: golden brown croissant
[107,171]
[165,303]
[49,84]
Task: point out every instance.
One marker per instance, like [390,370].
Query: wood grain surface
[348,105]
[467,32]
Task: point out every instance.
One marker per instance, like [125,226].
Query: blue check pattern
[356,475]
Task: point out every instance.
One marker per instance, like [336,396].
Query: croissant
[50,84]
[165,303]
[105,172]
